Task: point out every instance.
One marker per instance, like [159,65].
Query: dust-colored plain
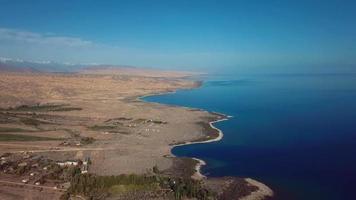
[127,134]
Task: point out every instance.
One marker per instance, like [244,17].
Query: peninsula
[58,131]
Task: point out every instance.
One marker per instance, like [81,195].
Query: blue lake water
[295,133]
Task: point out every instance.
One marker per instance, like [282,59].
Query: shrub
[155,169]
[65,196]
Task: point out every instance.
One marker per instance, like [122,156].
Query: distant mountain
[17,65]
[134,71]
[13,68]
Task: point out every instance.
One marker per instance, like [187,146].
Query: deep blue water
[296,133]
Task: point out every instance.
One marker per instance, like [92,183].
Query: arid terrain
[50,119]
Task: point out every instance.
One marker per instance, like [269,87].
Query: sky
[305,35]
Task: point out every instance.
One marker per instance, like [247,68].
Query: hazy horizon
[248,37]
[101,99]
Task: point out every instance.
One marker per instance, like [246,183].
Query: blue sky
[247,35]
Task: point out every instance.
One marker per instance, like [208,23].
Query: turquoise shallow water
[294,132]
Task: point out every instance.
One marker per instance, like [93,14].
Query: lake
[294,132]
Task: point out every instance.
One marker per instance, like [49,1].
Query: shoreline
[198,175]
[220,135]
[263,190]
[134,145]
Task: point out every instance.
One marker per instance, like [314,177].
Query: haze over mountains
[8,64]
[19,65]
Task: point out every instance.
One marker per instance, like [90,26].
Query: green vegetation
[8,129]
[87,140]
[130,188]
[18,137]
[139,121]
[56,172]
[238,188]
[5,118]
[22,169]
[31,121]
[123,119]
[119,119]
[189,188]
[99,187]
[102,128]
[64,109]
[108,128]
[72,133]
[155,169]
[71,172]
[182,167]
[159,122]
[65,196]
